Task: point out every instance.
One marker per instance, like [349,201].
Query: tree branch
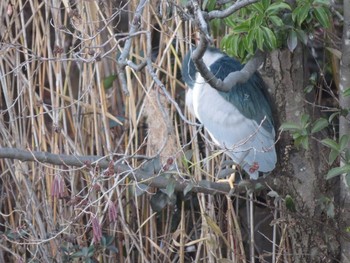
[234,78]
[230,10]
[144,176]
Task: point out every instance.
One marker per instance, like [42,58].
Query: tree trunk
[301,173]
[344,129]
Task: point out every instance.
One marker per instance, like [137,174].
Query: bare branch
[122,61]
[153,179]
[229,11]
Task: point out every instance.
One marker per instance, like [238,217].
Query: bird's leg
[231,180]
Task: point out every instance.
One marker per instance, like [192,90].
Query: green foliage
[268,25]
[346,92]
[108,81]
[290,204]
[86,253]
[326,204]
[302,132]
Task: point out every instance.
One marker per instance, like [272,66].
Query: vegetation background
[100,162]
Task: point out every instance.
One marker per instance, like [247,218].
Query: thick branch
[148,178]
[233,78]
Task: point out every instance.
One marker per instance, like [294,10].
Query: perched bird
[240,120]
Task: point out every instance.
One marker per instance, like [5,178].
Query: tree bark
[344,129]
[312,235]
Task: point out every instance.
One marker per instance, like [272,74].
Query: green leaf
[266,3]
[170,188]
[331,144]
[330,210]
[276,20]
[292,40]
[259,8]
[300,13]
[321,2]
[322,16]
[158,201]
[304,120]
[290,205]
[346,92]
[242,28]
[235,40]
[319,125]
[211,5]
[333,115]
[269,37]
[230,21]
[108,81]
[347,155]
[188,188]
[290,126]
[303,141]
[338,171]
[344,142]
[257,21]
[248,44]
[333,155]
[302,36]
[308,88]
[276,7]
[260,38]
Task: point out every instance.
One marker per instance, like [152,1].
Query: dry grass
[53,64]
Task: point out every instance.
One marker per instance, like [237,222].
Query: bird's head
[189,69]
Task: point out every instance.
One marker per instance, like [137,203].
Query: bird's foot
[230,181]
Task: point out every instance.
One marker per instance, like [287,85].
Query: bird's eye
[246,96]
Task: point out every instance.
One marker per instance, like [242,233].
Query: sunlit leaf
[300,13]
[322,16]
[260,38]
[242,28]
[321,2]
[276,20]
[276,7]
[269,38]
[258,7]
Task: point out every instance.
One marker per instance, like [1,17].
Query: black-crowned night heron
[240,120]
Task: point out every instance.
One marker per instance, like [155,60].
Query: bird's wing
[250,98]
[246,140]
